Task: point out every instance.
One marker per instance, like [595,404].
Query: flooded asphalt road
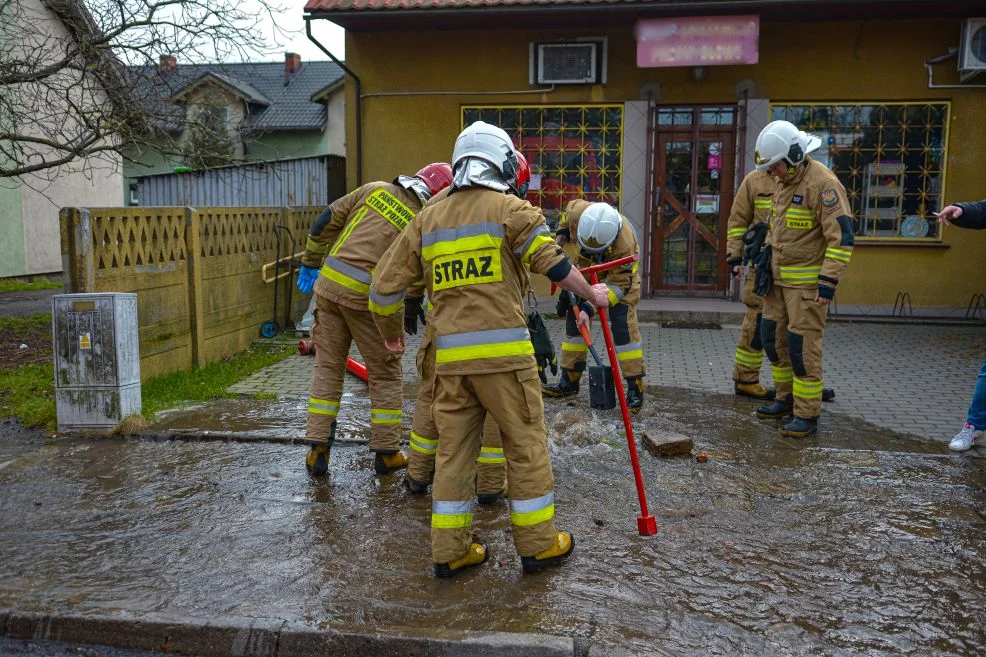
[856,543]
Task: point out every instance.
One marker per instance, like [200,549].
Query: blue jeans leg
[977,409]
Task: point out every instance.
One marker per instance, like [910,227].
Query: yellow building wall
[851,62]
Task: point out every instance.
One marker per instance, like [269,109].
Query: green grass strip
[21,285]
[28,392]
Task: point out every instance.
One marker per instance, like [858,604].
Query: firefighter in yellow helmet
[472,250]
[346,241]
[809,245]
[603,235]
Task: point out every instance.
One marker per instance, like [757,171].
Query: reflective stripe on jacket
[471,250]
[751,206]
[810,228]
[364,224]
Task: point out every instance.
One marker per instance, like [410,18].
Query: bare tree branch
[82,80]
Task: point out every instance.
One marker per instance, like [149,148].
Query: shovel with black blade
[602,393]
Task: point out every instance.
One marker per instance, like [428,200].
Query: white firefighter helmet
[599,226]
[809,143]
[781,140]
[489,143]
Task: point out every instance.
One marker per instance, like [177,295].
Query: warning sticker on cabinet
[85,341]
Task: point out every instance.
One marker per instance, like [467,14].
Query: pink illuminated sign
[697,41]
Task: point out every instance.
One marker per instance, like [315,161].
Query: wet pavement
[857,542]
[908,378]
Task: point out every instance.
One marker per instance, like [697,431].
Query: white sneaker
[965,439]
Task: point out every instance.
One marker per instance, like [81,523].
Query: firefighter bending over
[347,241]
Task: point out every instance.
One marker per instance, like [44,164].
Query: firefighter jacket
[623,283]
[811,231]
[471,250]
[363,225]
[750,207]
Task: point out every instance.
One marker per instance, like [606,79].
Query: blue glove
[306,279]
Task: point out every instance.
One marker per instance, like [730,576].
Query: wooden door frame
[693,133]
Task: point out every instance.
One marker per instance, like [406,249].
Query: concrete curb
[257,637]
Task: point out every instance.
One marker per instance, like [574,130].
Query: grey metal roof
[290,105]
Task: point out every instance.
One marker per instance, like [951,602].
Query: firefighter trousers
[626,338]
[749,351]
[334,330]
[792,328]
[491,466]
[462,403]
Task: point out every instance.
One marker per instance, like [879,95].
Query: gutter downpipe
[359,94]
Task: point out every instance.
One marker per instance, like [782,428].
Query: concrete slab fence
[196,273]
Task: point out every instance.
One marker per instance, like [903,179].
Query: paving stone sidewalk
[913,379]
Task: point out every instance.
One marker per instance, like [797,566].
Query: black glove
[564,303]
[413,311]
[763,283]
[544,351]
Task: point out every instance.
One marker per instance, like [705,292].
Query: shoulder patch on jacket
[829,198]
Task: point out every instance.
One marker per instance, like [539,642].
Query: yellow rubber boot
[560,550]
[477,554]
[753,391]
[317,460]
[387,463]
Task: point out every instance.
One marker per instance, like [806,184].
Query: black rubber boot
[477,554]
[387,463]
[560,550]
[828,394]
[317,461]
[414,486]
[635,393]
[568,384]
[779,409]
[800,427]
[753,390]
[490,498]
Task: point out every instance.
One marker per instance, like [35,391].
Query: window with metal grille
[574,150]
[889,156]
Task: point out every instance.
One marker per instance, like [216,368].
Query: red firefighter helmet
[523,175]
[437,175]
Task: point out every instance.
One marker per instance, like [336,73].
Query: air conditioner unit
[582,61]
[972,48]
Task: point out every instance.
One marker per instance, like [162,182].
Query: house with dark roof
[655,106]
[29,204]
[260,112]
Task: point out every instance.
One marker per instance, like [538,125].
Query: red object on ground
[306,347]
[357,368]
[646,524]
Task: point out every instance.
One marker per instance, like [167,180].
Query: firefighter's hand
[395,346]
[599,296]
[949,214]
[413,312]
[822,301]
[583,319]
[306,279]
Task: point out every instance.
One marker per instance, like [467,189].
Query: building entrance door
[693,168]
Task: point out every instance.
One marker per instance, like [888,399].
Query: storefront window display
[574,151]
[889,156]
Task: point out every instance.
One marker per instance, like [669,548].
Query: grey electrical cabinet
[97,360]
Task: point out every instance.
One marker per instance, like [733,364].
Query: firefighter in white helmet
[472,250]
[603,235]
[808,247]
